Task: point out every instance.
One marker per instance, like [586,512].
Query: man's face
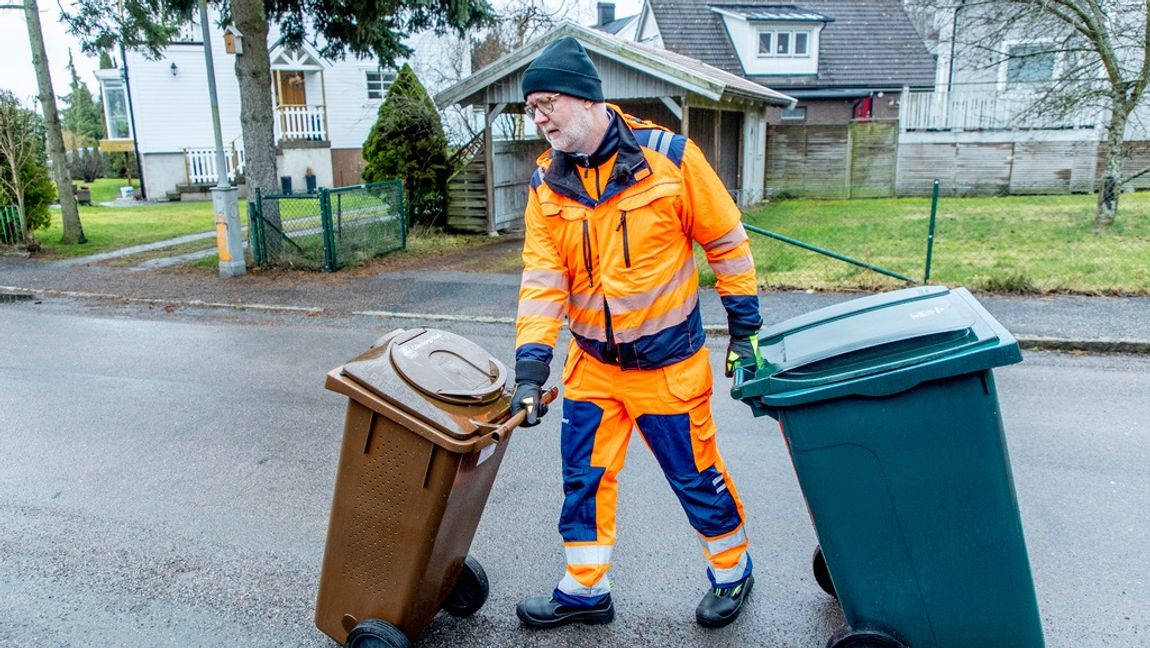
[568,123]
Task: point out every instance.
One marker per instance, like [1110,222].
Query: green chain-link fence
[11,225]
[328,229]
[859,243]
[1000,243]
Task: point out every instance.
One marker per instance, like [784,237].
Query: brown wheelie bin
[427,425]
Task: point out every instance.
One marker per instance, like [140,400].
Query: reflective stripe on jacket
[610,246]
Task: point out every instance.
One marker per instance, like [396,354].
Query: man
[614,209]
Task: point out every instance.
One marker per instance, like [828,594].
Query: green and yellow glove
[743,352]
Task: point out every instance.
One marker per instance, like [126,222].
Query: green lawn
[106,189]
[111,228]
[1017,243]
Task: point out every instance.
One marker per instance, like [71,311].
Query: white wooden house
[978,130]
[324,110]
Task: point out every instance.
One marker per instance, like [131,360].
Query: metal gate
[11,225]
[328,229]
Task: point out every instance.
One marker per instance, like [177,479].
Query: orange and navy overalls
[609,244]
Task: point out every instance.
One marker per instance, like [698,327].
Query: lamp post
[225,197]
[132,119]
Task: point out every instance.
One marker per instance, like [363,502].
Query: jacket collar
[630,164]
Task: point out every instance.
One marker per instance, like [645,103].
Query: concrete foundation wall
[294,162]
[162,172]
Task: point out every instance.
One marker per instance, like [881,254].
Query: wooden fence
[839,161]
[870,160]
[200,164]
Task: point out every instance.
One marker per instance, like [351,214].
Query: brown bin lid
[446,379]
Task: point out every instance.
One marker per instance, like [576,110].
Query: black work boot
[722,605]
[546,612]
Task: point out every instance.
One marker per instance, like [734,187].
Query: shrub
[25,141]
[407,141]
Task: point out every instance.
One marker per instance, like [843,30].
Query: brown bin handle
[510,424]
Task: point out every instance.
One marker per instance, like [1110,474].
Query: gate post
[930,233]
[329,261]
[256,228]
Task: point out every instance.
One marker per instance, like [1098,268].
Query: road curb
[1083,346]
[1030,343]
[13,290]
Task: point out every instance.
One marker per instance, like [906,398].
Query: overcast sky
[19,77]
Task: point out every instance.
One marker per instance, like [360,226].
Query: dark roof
[778,13]
[615,26]
[677,69]
[869,44]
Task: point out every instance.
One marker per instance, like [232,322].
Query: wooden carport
[724,114]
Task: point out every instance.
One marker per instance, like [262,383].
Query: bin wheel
[374,633]
[470,591]
[822,574]
[847,638]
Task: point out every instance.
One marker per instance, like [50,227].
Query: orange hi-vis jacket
[609,245]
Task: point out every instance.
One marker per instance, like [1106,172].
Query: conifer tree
[81,115]
[408,142]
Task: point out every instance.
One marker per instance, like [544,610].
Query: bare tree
[520,21]
[1097,51]
[21,137]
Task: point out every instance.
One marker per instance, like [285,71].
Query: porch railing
[983,110]
[301,123]
[200,164]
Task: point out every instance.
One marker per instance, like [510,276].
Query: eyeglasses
[545,105]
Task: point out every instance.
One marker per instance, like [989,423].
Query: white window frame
[108,87]
[795,42]
[1004,83]
[384,81]
[790,37]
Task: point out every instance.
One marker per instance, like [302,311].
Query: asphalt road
[165,480]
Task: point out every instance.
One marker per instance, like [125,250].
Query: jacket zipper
[611,352]
[587,254]
[626,246]
[609,329]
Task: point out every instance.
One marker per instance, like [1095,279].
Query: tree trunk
[70,213]
[1109,188]
[253,71]
[30,242]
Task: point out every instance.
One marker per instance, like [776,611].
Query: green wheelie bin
[889,410]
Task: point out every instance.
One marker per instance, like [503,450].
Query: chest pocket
[648,226]
[567,212]
[567,222]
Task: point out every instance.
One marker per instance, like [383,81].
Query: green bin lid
[876,346]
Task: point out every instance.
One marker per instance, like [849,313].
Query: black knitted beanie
[563,66]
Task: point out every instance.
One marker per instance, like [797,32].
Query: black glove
[528,396]
[529,378]
[743,352]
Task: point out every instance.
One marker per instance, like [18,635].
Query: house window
[116,110]
[766,40]
[795,114]
[776,43]
[1030,63]
[377,82]
[801,40]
